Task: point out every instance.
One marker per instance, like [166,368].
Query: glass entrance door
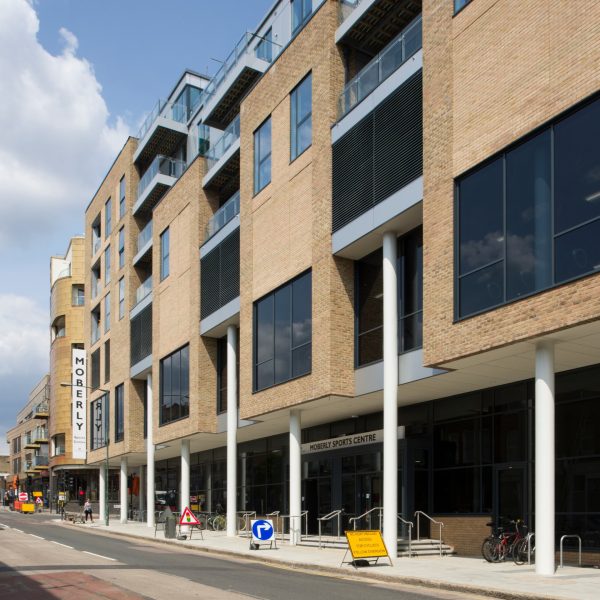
[510,492]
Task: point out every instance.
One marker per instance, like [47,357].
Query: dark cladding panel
[141,335]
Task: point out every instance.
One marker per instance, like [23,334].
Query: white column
[544,459]
[184,495]
[149,454]
[232,423]
[123,490]
[390,392]
[102,483]
[141,492]
[295,476]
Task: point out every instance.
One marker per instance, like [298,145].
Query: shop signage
[365,545]
[79,399]
[37,494]
[348,441]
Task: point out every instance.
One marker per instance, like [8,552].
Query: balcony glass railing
[41,409]
[96,243]
[40,461]
[228,211]
[27,439]
[64,273]
[176,112]
[394,55]
[143,290]
[163,165]
[144,236]
[230,135]
[40,434]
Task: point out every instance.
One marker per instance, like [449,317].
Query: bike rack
[328,517]
[564,537]
[275,517]
[303,514]
[246,515]
[418,515]
[530,536]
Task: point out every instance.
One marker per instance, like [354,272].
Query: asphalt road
[33,543]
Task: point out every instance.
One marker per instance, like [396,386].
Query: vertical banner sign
[79,398]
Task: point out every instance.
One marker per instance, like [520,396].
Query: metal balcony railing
[389,60]
[143,290]
[41,409]
[226,213]
[40,461]
[40,434]
[163,165]
[176,112]
[144,236]
[230,135]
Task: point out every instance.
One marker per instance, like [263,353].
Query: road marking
[19,530]
[37,536]
[99,555]
[59,544]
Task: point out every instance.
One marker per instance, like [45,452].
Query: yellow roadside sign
[36,494]
[366,544]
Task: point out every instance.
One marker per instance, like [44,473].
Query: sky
[77,77]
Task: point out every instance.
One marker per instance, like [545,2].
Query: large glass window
[99,422]
[164,254]
[121,298]
[121,247]
[107,265]
[301,117]
[106,361]
[175,386]
[283,333]
[262,156]
[108,218]
[523,213]
[264,49]
[301,10]
[107,312]
[122,197]
[222,372]
[119,413]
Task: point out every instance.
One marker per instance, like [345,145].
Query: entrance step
[424,547]
[326,541]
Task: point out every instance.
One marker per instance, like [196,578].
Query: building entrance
[510,492]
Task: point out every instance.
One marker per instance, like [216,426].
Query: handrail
[304,514]
[418,514]
[246,514]
[328,517]
[353,520]
[564,537]
[410,528]
[275,516]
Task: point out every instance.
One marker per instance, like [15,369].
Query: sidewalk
[502,580]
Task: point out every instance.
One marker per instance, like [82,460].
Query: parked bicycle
[524,551]
[501,543]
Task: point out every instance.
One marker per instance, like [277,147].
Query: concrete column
[544,459]
[232,424]
[123,490]
[295,476]
[141,492]
[102,483]
[390,393]
[149,454]
[184,495]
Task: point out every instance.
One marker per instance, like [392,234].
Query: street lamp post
[106,436]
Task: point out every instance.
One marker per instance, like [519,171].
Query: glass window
[78,298]
[107,265]
[107,218]
[369,322]
[301,10]
[262,156]
[119,413]
[164,254]
[174,386]
[264,49]
[458,4]
[121,247]
[95,322]
[107,312]
[283,333]
[99,422]
[95,369]
[107,361]
[122,197]
[121,298]
[301,117]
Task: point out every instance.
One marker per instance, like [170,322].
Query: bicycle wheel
[520,552]
[489,549]
[219,523]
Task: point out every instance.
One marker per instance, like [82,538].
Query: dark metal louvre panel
[230,268]
[96,369]
[353,174]
[209,283]
[141,335]
[398,139]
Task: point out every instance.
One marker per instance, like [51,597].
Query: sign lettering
[348,441]
[79,397]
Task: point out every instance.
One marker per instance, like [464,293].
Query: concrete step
[424,547]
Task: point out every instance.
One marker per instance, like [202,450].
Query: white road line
[19,530]
[64,545]
[37,536]
[99,555]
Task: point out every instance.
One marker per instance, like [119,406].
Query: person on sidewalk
[87,511]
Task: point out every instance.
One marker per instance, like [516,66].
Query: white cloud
[24,338]
[56,137]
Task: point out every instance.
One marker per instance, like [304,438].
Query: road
[42,560]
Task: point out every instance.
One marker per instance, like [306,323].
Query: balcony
[162,173]
[223,157]
[223,95]
[96,244]
[224,215]
[41,410]
[143,291]
[29,468]
[28,441]
[369,25]
[40,435]
[387,62]
[40,462]
[144,243]
[162,131]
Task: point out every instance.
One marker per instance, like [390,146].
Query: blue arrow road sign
[262,530]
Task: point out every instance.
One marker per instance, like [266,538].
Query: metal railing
[410,526]
[418,515]
[40,434]
[565,537]
[328,517]
[354,520]
[40,461]
[164,165]
[394,55]
[302,515]
[230,135]
[246,516]
[144,236]
[170,110]
[223,215]
[143,290]
[41,409]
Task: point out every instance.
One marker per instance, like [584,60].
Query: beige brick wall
[493,73]
[286,228]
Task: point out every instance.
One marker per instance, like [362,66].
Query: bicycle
[524,550]
[500,544]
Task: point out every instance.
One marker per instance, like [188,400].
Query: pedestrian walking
[87,511]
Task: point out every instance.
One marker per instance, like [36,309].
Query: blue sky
[81,75]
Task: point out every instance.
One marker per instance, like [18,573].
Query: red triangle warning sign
[188,518]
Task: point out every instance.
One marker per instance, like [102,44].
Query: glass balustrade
[230,135]
[143,290]
[226,213]
[163,165]
[144,236]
